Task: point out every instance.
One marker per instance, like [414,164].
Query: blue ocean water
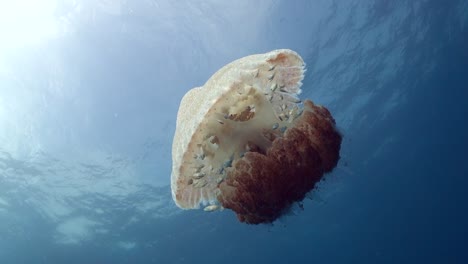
[89,97]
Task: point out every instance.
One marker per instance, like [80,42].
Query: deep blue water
[87,119]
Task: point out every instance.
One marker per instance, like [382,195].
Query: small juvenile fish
[211,208]
[198,175]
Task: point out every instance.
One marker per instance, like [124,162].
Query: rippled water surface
[89,92]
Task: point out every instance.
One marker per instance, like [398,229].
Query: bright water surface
[89,92]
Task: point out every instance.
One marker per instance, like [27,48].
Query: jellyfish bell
[245,141]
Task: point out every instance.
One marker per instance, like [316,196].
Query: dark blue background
[398,194]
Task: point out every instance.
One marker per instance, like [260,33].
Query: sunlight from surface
[26,22]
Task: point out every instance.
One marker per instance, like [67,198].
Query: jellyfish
[246,142]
